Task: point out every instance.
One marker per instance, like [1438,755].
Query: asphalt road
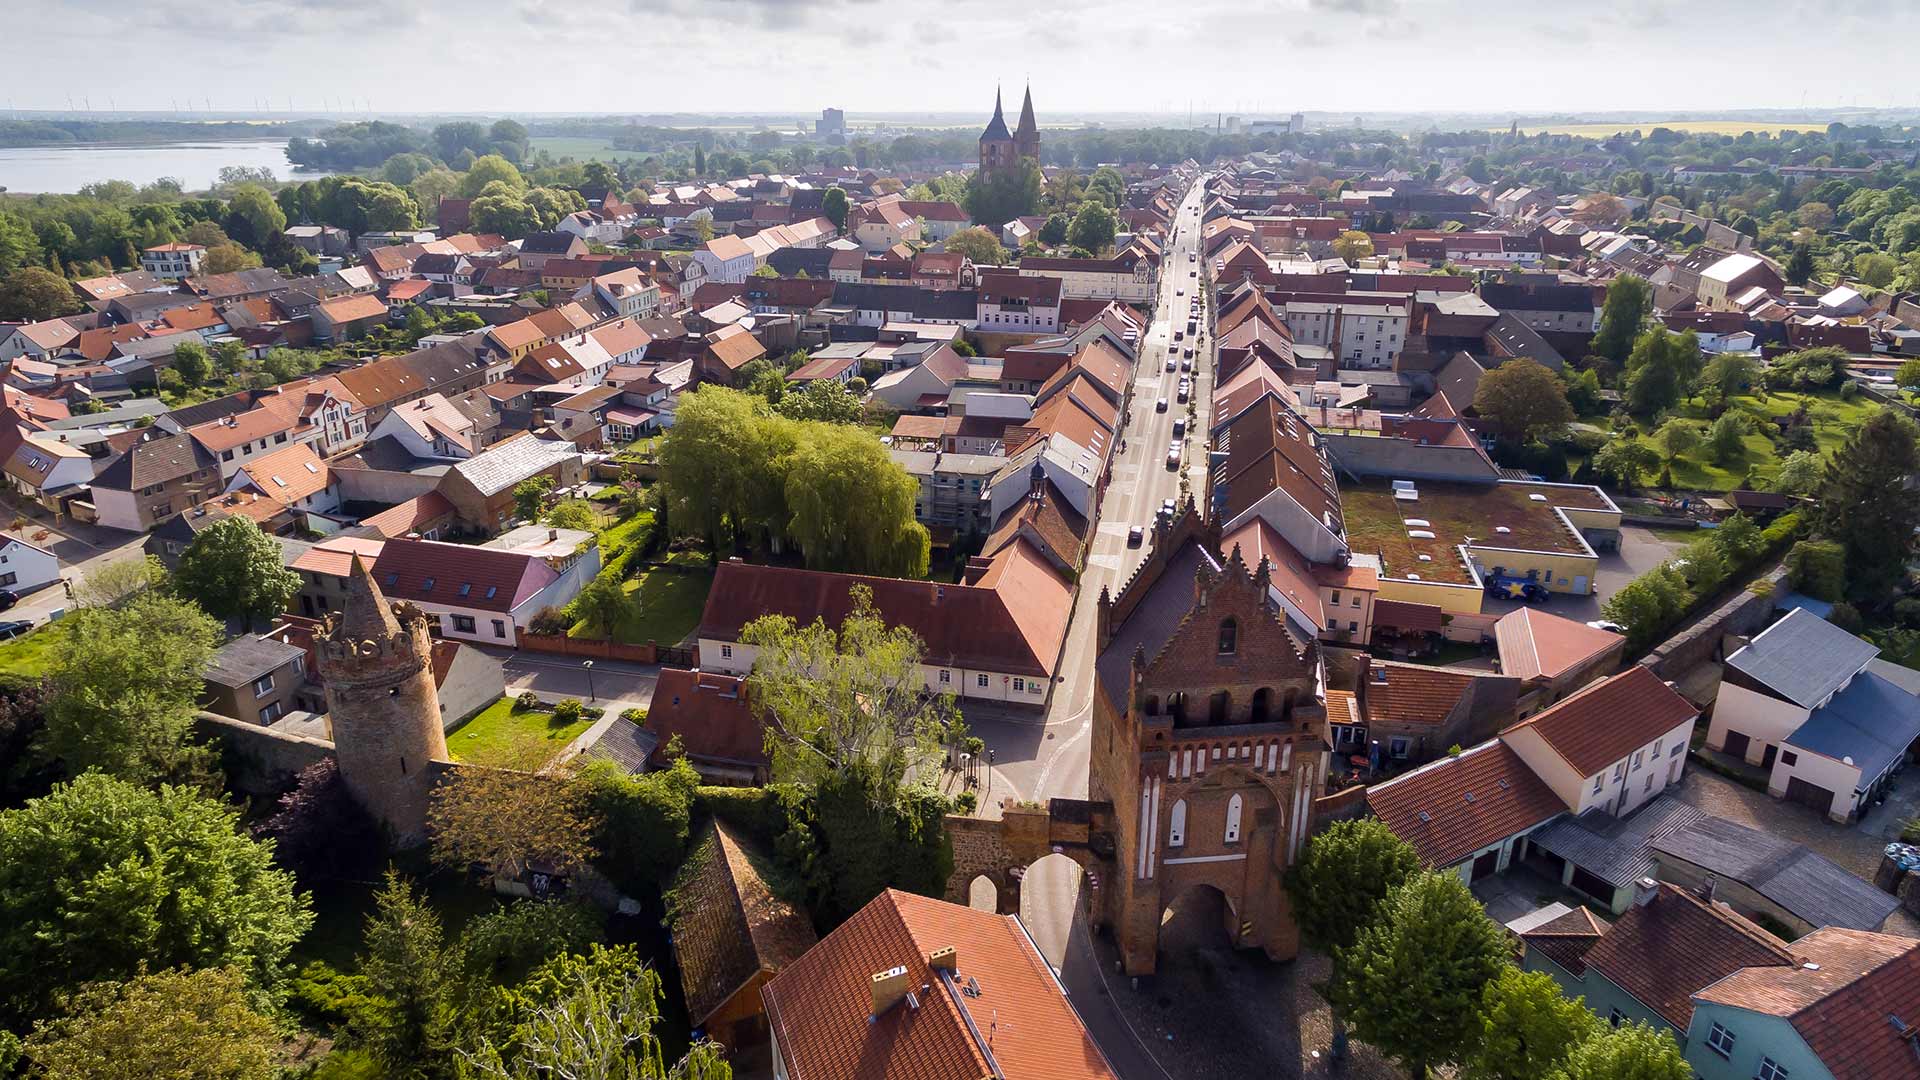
[1041,758]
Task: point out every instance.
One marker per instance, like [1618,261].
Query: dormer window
[1229,637]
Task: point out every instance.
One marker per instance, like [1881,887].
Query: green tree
[1818,568]
[1799,473]
[31,294]
[530,495]
[235,571]
[833,207]
[1523,401]
[192,363]
[1629,300]
[125,688]
[824,400]
[490,169]
[1676,437]
[414,977]
[1875,269]
[1628,1052]
[1353,245]
[979,244]
[1800,265]
[641,822]
[254,205]
[852,505]
[1094,228]
[102,877]
[1658,371]
[1625,461]
[849,698]
[170,1025]
[1413,980]
[1855,504]
[699,160]
[1527,1028]
[571,514]
[1724,439]
[1907,375]
[1054,231]
[602,605]
[1649,603]
[997,197]
[227,258]
[1342,877]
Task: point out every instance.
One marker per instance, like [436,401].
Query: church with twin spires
[1001,150]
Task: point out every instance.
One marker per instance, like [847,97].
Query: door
[1580,585]
[1485,865]
[1810,795]
[1766,756]
[1737,745]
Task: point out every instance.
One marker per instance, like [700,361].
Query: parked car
[1179,426]
[1171,362]
[8,598]
[1135,535]
[1166,508]
[1173,457]
[1186,364]
[10,630]
[1160,406]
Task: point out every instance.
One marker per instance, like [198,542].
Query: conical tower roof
[365,615]
[997,127]
[1027,124]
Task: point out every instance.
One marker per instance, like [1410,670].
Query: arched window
[1262,705]
[1233,820]
[1177,827]
[1177,706]
[1229,636]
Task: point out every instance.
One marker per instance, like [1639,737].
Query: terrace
[1379,524]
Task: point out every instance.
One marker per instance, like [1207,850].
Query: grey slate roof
[1871,722]
[512,461]
[1152,621]
[1790,875]
[627,745]
[1618,851]
[1803,658]
[244,659]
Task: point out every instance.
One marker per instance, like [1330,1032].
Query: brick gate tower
[1209,739]
[376,659]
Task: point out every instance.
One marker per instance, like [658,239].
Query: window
[1656,745]
[1620,771]
[9,578]
[463,624]
[1229,636]
[1356,599]
[1399,746]
[1177,827]
[945,676]
[1770,1070]
[1637,756]
[980,681]
[1599,784]
[263,685]
[1788,757]
[1233,820]
[427,585]
[271,713]
[1019,686]
[726,652]
[1353,625]
[499,628]
[1615,1017]
[1720,1041]
[1336,596]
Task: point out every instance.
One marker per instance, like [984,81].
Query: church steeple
[1027,124]
[997,127]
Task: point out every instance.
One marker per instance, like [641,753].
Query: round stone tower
[377,662]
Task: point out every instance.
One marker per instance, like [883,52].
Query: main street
[1041,758]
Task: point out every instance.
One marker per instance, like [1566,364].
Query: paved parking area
[1640,551]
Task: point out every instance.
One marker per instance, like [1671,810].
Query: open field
[587,148]
[1690,127]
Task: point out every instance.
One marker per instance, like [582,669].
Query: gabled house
[725,352]
[1612,745]
[1802,702]
[479,594]
[293,476]
[157,477]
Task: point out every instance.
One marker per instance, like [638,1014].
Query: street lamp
[588,664]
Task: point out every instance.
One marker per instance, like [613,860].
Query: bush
[550,621]
[635,715]
[568,711]
[528,700]
[642,821]
[1847,617]
[503,945]
[754,811]
[1818,568]
[593,712]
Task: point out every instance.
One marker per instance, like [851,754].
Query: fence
[604,649]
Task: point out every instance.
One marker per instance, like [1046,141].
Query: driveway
[1640,551]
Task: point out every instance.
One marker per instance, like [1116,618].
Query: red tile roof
[1674,945]
[1565,940]
[1610,719]
[709,712]
[728,926]
[1413,693]
[1843,1005]
[1534,644]
[458,575]
[1405,615]
[1454,807]
[1020,1024]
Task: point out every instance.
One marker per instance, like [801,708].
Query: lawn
[1833,420]
[581,147]
[28,658]
[503,730]
[667,604]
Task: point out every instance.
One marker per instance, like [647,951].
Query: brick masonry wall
[259,760]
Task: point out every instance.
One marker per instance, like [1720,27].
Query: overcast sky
[1267,57]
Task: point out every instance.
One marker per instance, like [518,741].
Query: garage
[1812,796]
[1737,745]
[1485,865]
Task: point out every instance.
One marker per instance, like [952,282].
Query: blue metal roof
[1872,721]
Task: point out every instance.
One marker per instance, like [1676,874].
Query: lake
[197,165]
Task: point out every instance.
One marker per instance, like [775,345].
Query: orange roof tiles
[1454,807]
[1606,721]
[1675,944]
[1020,1024]
[289,474]
[1534,644]
[1414,693]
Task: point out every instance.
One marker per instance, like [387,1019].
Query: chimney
[889,987]
[553,534]
[946,958]
[1644,891]
[1705,891]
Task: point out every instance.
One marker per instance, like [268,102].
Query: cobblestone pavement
[1216,1012]
[1856,851]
